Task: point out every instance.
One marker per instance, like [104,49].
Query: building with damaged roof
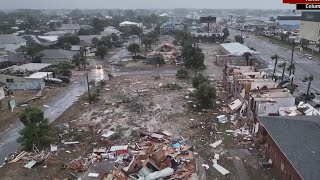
[292,144]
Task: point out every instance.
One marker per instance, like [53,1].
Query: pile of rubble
[30,159]
[156,155]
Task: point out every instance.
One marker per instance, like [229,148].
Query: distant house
[27,76]
[54,56]
[55,33]
[70,28]
[108,31]
[292,144]
[128,23]
[169,27]
[11,42]
[164,15]
[86,40]
[87,27]
[17,58]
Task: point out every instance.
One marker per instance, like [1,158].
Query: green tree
[134,48]
[83,31]
[275,58]
[95,41]
[114,37]
[102,51]
[72,39]
[205,94]
[64,65]
[98,24]
[194,58]
[226,33]
[147,42]
[182,73]
[66,46]
[199,79]
[159,59]
[31,52]
[272,19]
[292,68]
[283,66]
[105,41]
[239,39]
[36,129]
[247,56]
[184,38]
[76,60]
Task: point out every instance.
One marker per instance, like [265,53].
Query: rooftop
[39,75]
[57,53]
[298,139]
[11,39]
[32,66]
[237,48]
[70,27]
[54,33]
[272,93]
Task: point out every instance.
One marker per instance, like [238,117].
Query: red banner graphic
[301,1]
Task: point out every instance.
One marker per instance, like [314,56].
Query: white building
[129,23]
[310,26]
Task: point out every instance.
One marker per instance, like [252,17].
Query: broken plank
[221,169]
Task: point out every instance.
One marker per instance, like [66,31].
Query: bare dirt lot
[148,99]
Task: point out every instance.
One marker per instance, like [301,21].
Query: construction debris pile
[30,159]
[156,155]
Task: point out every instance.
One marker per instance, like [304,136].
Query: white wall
[310,30]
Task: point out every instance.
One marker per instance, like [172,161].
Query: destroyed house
[292,144]
[267,102]
[28,76]
[302,109]
[245,85]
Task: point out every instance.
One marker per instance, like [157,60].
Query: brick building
[293,145]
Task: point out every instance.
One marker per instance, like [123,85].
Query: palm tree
[247,55]
[310,79]
[275,57]
[292,68]
[283,65]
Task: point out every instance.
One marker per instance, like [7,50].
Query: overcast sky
[108,4]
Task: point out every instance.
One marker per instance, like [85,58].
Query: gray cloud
[108,4]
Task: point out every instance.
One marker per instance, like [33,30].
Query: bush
[95,96]
[182,73]
[199,79]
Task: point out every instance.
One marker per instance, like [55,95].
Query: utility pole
[89,95]
[291,57]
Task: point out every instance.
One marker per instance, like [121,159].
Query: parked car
[64,79]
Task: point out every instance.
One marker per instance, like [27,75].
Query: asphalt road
[304,66]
